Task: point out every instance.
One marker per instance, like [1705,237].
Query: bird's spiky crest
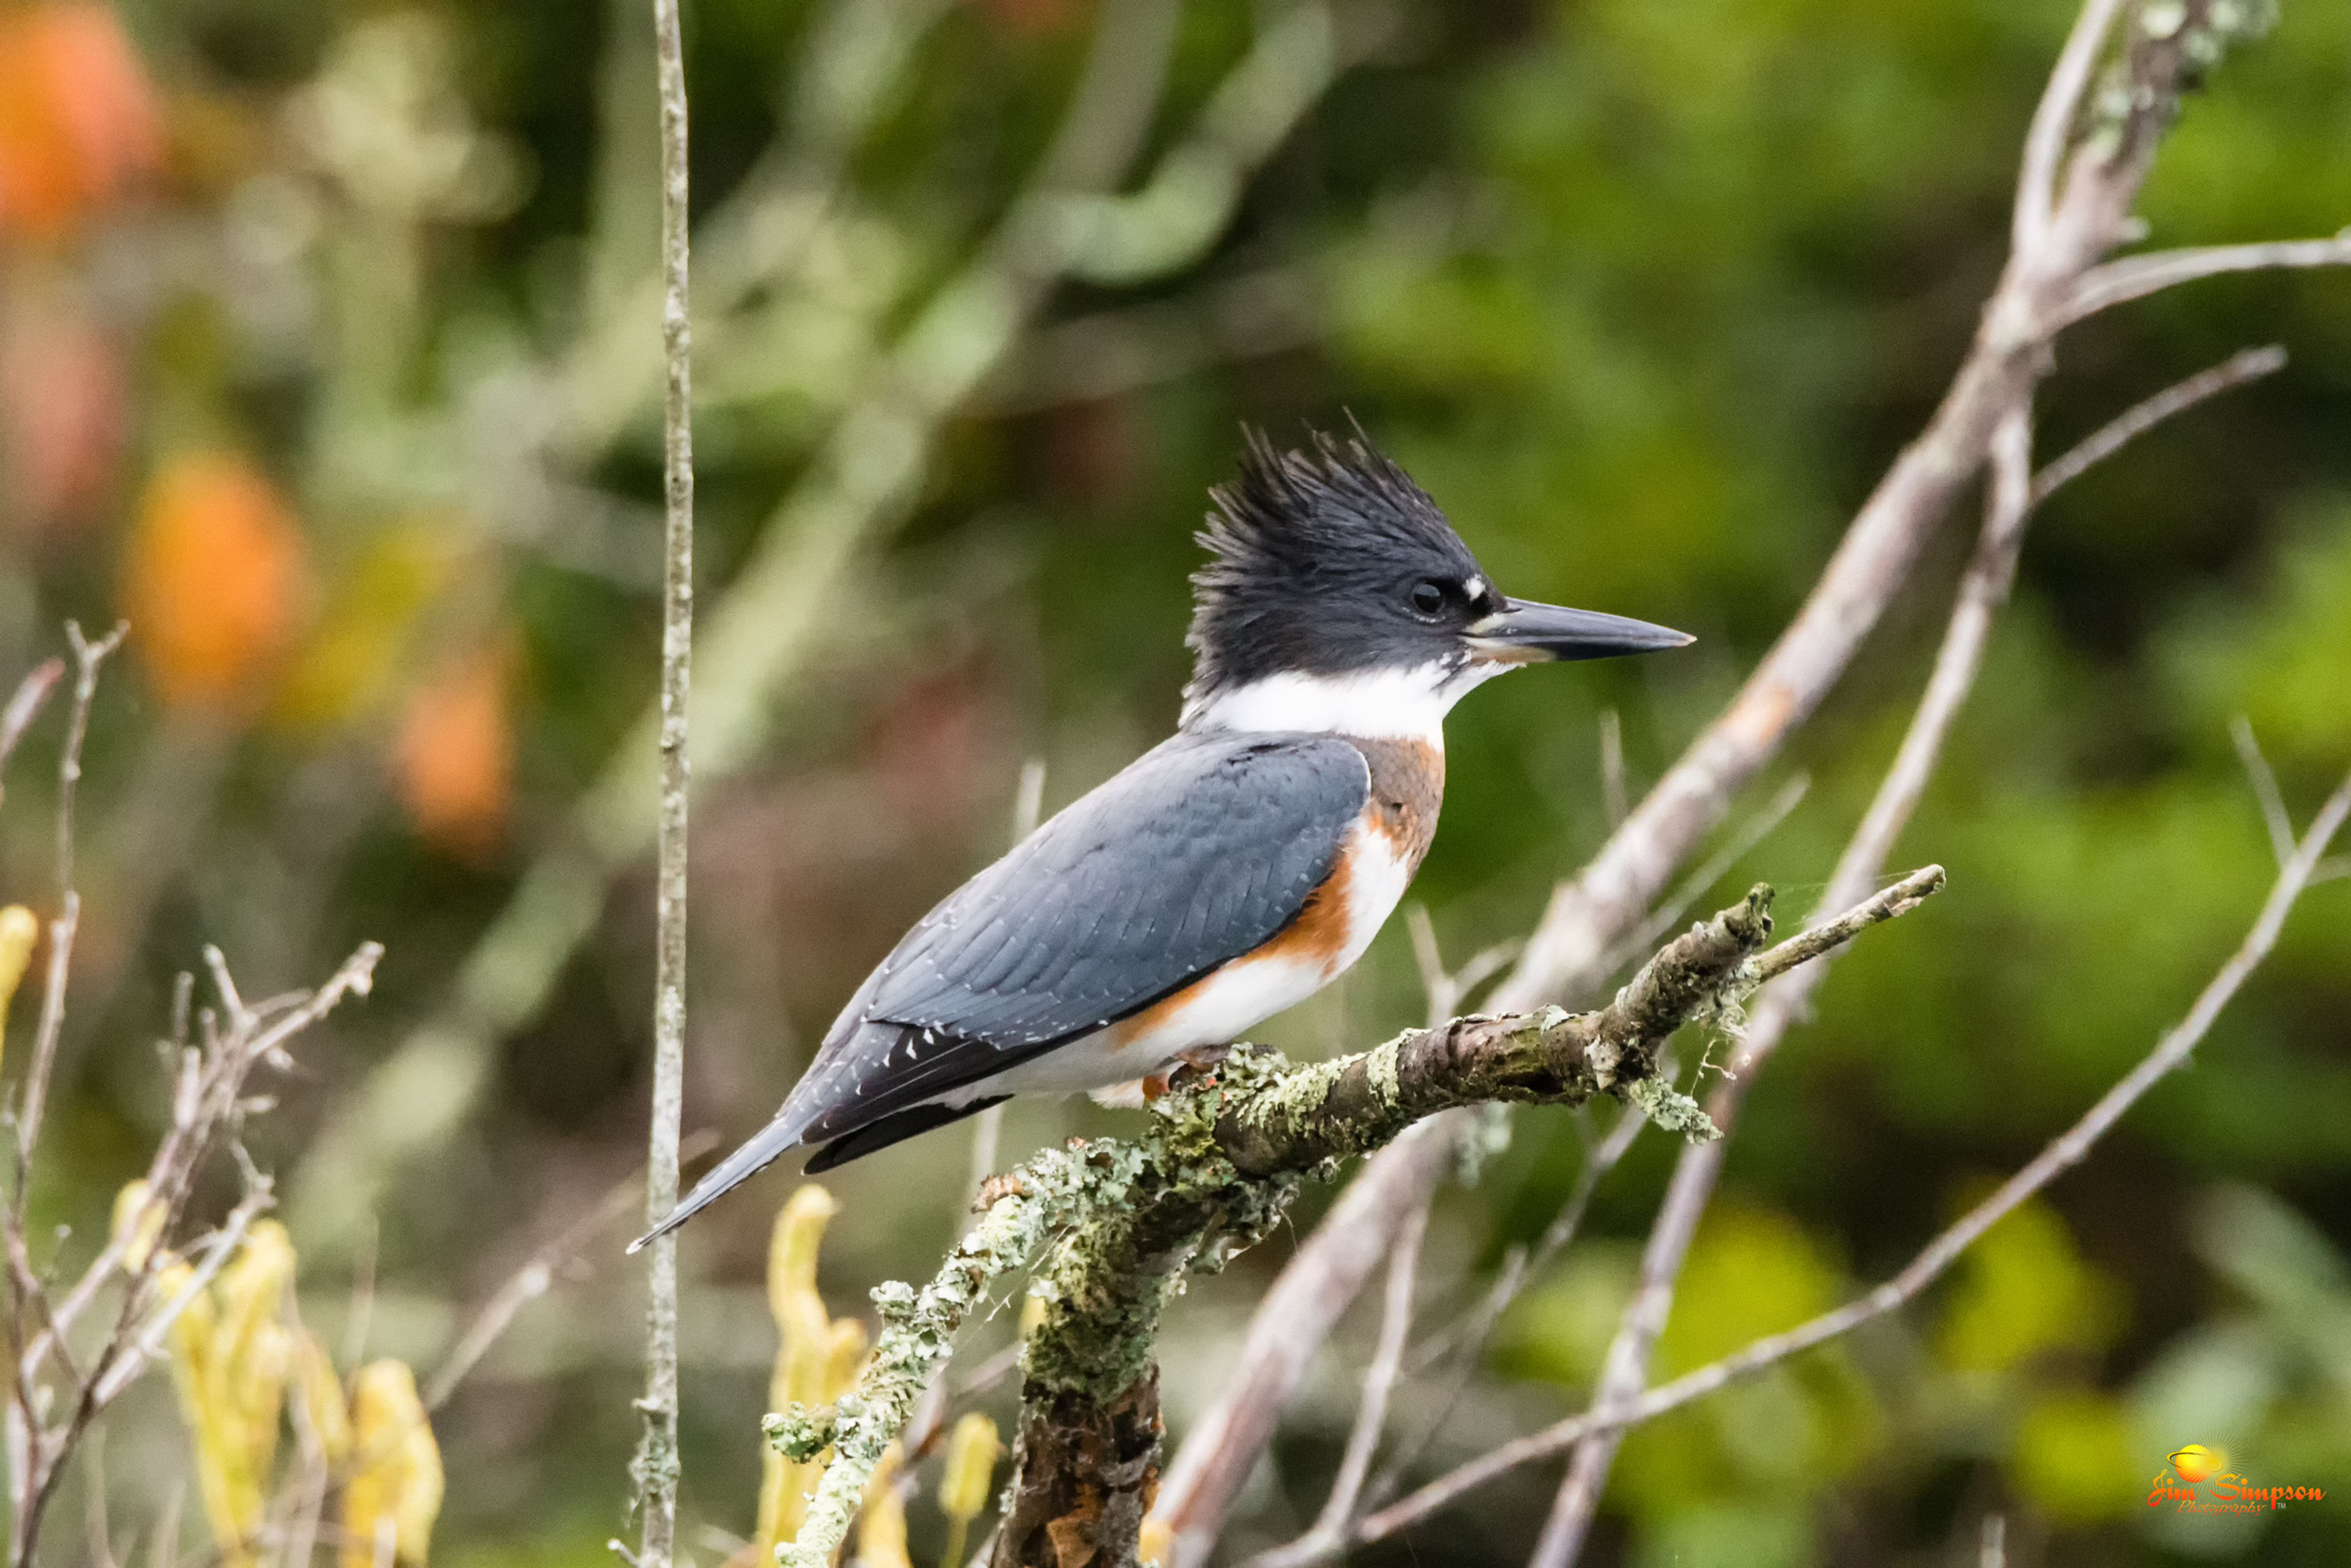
[1299,529]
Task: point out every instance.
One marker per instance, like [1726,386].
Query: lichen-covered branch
[1216,1170]
[1224,1160]
[1049,1194]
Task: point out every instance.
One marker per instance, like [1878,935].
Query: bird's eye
[1428,599]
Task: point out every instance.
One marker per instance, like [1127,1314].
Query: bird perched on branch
[1234,869]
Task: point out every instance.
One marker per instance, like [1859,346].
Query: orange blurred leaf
[78,116]
[213,580]
[455,755]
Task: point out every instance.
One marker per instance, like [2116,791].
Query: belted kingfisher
[1232,871]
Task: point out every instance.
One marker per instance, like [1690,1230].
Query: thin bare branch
[2170,1054]
[32,694]
[2266,788]
[655,1466]
[1466,1343]
[207,1097]
[1984,589]
[1815,940]
[2246,365]
[2053,123]
[89,657]
[1614,795]
[2137,277]
[1371,1417]
[537,1276]
[1717,865]
[988,1127]
[123,1369]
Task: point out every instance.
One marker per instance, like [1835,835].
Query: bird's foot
[1149,1089]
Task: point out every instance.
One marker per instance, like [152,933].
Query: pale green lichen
[919,1328]
[1382,1069]
[800,1432]
[1486,1139]
[1176,1207]
[1671,1110]
[2202,36]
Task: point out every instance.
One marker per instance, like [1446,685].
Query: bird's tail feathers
[763,1149]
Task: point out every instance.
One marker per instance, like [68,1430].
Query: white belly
[1222,1008]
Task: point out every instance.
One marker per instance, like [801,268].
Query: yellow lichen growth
[1156,1547]
[972,1450]
[815,1363]
[19,931]
[394,1489]
[881,1527]
[230,1356]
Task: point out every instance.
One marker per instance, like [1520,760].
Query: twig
[88,658]
[1984,588]
[2238,368]
[1466,1341]
[2009,504]
[1371,1416]
[1717,865]
[2137,277]
[32,694]
[2053,125]
[537,1277]
[1290,1324]
[1614,797]
[207,1095]
[988,1127]
[2170,1054]
[1470,1344]
[1815,940]
[125,1367]
[655,1467]
[2265,787]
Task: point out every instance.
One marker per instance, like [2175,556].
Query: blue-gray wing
[1200,852]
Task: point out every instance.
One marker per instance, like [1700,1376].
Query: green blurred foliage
[1647,296]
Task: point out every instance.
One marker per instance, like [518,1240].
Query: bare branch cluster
[56,1389]
[2092,142]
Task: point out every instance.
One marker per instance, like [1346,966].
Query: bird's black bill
[1521,632]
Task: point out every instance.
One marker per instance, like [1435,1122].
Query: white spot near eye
[1474,590]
